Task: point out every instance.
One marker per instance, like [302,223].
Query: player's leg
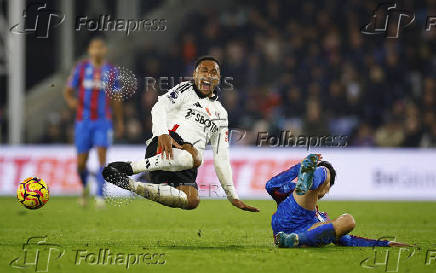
[102,139]
[306,174]
[83,144]
[183,160]
[191,195]
[182,196]
[318,234]
[101,153]
[82,159]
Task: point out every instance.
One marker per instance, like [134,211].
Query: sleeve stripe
[183,87]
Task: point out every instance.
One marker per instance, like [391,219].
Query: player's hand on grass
[165,144]
[239,204]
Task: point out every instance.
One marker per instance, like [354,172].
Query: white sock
[161,193]
[182,161]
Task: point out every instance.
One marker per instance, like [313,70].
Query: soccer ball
[33,193]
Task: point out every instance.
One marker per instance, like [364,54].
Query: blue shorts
[292,218]
[90,133]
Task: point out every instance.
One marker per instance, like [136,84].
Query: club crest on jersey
[172,96]
[92,84]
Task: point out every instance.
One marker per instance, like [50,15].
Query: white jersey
[199,120]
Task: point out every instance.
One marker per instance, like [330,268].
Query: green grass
[215,237]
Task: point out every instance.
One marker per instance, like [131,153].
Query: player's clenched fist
[165,145]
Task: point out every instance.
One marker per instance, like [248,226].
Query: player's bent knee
[193,198]
[349,222]
[197,163]
[191,195]
[344,224]
[193,202]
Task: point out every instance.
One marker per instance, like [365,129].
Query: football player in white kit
[185,119]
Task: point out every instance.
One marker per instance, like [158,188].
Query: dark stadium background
[299,65]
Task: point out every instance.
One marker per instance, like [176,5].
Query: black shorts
[174,179]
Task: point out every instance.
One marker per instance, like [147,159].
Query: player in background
[298,222]
[93,127]
[185,120]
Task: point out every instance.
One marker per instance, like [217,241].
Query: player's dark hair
[332,170]
[206,58]
[97,37]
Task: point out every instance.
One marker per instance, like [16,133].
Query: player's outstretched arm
[220,146]
[281,185]
[72,85]
[224,173]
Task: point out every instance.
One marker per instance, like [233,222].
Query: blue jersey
[291,217]
[94,116]
[87,80]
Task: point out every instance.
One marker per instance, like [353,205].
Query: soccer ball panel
[33,193]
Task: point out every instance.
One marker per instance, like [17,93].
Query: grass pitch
[215,237]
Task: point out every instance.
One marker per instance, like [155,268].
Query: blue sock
[83,177]
[322,235]
[351,240]
[100,181]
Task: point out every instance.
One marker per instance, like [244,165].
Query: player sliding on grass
[297,221]
[185,119]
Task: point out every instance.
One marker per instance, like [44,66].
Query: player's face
[97,50]
[207,77]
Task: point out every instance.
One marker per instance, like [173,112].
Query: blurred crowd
[302,66]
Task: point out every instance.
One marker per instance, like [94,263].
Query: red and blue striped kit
[93,104]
